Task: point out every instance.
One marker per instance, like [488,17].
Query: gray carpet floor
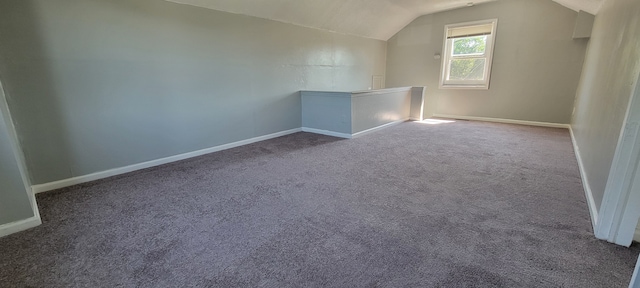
[464,204]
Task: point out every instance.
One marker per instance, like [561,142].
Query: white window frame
[447,57]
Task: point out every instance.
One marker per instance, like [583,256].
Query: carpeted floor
[414,205]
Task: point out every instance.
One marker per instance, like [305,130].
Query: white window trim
[484,85]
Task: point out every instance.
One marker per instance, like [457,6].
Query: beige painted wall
[536,66]
[95,85]
[611,70]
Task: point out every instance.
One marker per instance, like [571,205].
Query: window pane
[469,45]
[467,69]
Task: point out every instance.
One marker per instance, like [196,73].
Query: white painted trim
[20,225]
[635,279]
[501,120]
[17,226]
[34,206]
[593,209]
[378,128]
[117,171]
[326,132]
[620,206]
[628,223]
[619,187]
[447,46]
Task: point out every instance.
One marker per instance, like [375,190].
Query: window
[468,48]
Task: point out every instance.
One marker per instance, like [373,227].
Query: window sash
[455,32]
[465,56]
[452,43]
[447,76]
[467,82]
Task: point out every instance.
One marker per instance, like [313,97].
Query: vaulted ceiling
[377,19]
[591,6]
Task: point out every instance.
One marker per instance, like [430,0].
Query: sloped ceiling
[591,6]
[377,19]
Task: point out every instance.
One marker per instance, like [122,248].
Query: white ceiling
[377,19]
[591,6]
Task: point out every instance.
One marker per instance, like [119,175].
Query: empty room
[319,143]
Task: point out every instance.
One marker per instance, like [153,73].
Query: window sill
[474,87]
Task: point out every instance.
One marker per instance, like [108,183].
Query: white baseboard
[24,224]
[326,132]
[500,120]
[593,210]
[18,226]
[378,128]
[117,171]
